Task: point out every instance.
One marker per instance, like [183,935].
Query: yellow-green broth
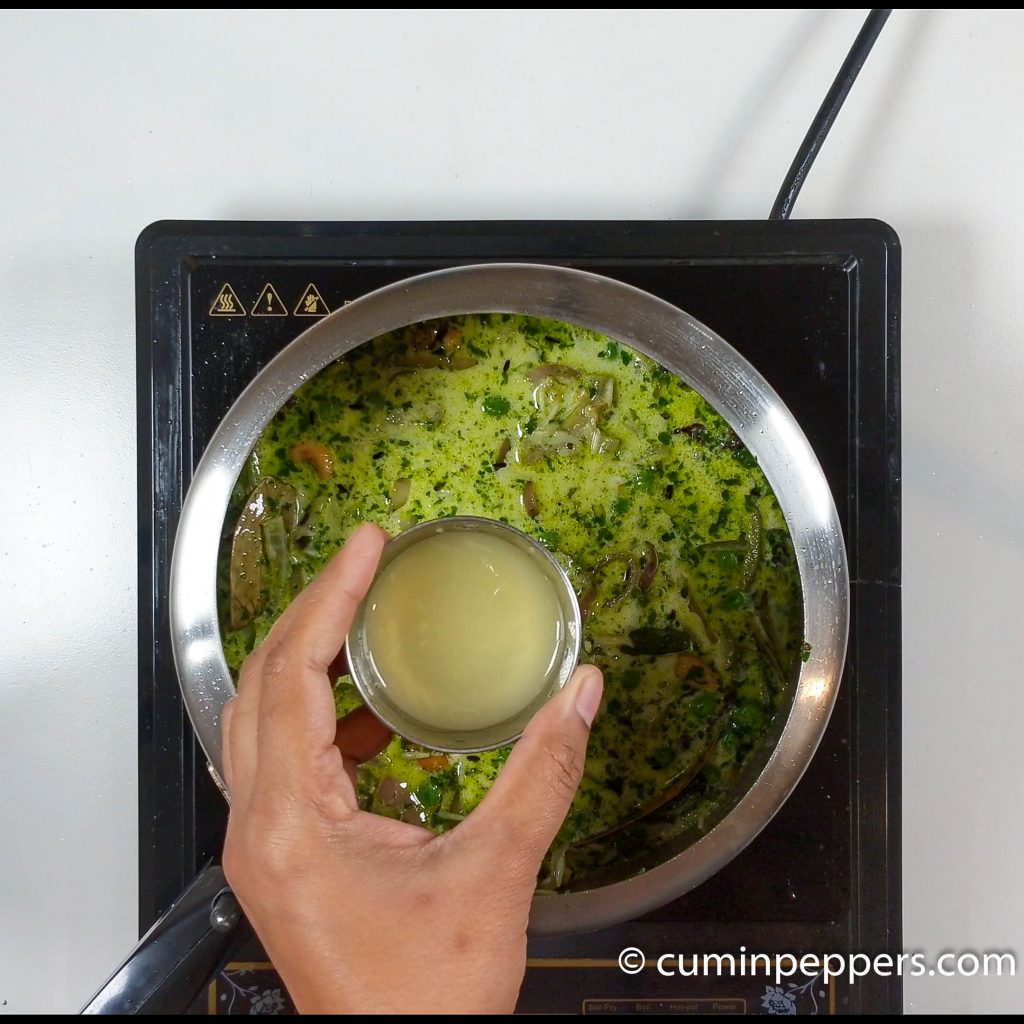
[663,520]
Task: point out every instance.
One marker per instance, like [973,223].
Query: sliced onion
[628,585]
[544,401]
[694,605]
[538,446]
[574,413]
[529,498]
[400,492]
[649,563]
[449,816]
[558,865]
[548,370]
[726,545]
[582,419]
[604,396]
[588,600]
[629,576]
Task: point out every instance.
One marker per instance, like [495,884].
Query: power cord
[827,113]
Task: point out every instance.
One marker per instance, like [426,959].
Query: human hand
[360,913]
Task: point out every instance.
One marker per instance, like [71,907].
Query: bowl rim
[681,344]
[366,675]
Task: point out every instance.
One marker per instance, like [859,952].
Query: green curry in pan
[661,517]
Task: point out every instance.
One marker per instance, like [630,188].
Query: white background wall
[109,122]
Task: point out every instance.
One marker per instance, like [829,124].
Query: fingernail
[588,693]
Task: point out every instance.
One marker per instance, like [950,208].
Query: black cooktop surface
[815,307]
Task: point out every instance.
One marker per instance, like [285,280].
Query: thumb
[529,800]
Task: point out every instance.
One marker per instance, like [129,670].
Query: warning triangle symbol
[269,303]
[312,303]
[227,303]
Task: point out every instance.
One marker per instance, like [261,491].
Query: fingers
[296,715]
[530,798]
[238,726]
[225,740]
[360,736]
[316,622]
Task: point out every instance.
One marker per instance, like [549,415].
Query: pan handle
[176,958]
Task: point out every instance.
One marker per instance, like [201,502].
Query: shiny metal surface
[225,913]
[682,345]
[176,958]
[372,688]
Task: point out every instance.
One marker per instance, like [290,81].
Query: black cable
[827,113]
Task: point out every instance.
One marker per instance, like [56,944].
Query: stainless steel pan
[682,345]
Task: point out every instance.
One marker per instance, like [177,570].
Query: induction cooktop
[814,305]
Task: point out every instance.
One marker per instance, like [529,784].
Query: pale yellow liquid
[464,630]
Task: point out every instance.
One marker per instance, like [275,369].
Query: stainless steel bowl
[682,345]
[372,686]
